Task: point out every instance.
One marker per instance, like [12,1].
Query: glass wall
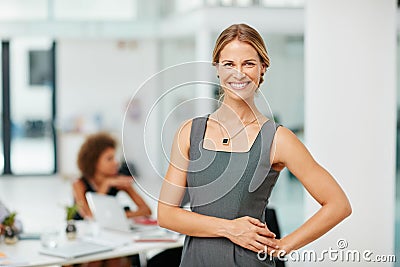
[72,10]
[31,88]
[170,7]
[94,10]
[284,83]
[23,10]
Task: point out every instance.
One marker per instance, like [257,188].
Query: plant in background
[71,211]
[9,219]
[10,233]
[71,228]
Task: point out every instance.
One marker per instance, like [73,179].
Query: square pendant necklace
[226,140]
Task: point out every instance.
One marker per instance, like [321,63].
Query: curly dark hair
[90,152]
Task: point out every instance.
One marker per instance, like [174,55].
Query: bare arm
[321,185]
[142,208]
[79,194]
[246,232]
[124,183]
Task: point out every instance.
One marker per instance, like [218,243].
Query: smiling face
[240,70]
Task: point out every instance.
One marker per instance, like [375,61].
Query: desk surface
[26,252]
[126,250]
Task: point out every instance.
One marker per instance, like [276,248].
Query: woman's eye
[249,64]
[228,65]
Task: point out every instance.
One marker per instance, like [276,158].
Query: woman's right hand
[250,233]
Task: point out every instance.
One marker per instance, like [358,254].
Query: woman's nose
[238,72]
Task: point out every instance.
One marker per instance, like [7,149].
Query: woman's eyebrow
[246,60]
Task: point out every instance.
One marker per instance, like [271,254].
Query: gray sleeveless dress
[227,185]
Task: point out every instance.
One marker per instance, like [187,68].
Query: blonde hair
[243,33]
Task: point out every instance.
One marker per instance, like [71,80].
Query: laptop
[108,213]
[75,249]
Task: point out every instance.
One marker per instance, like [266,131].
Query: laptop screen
[108,212]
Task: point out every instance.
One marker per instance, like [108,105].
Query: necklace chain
[226,140]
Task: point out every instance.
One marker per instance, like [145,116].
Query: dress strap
[197,133]
[264,165]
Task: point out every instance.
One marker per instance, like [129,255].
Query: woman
[96,161]
[230,161]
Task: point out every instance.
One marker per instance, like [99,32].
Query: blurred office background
[70,68]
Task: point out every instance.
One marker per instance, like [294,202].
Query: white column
[350,117]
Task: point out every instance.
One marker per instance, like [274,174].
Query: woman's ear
[217,69]
[263,69]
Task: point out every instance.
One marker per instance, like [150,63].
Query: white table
[127,250]
[26,252]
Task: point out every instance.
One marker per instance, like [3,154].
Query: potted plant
[71,227]
[10,233]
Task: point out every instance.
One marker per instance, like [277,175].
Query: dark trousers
[168,258]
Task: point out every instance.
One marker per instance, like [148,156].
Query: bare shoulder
[78,183]
[184,128]
[286,145]
[182,135]
[284,135]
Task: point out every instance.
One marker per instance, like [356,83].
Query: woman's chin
[240,94]
[112,174]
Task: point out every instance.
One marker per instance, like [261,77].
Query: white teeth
[238,85]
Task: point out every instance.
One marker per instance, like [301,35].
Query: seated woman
[99,168]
